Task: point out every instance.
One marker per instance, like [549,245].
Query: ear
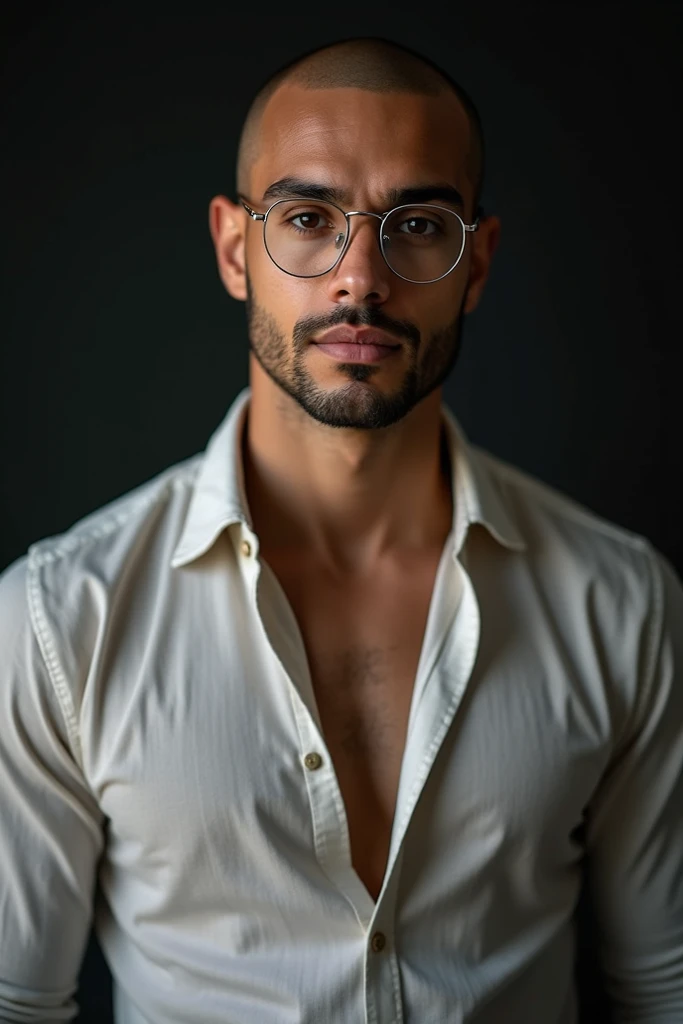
[227,224]
[484,244]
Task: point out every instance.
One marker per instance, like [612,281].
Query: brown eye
[307,221]
[418,226]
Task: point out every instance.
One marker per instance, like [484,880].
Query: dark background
[121,351]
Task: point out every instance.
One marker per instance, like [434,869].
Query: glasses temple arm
[252,213]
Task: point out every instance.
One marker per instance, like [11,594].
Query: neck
[346,499]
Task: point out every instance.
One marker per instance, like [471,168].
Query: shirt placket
[437,700]
[330,826]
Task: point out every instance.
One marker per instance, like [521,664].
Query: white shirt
[156,721]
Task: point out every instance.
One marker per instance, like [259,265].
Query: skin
[351,456]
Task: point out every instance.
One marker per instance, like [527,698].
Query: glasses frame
[382,217]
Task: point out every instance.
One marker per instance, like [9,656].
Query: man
[343,714]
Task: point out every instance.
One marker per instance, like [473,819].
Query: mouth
[363,336]
[357,344]
[358,353]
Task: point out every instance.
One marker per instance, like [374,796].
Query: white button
[313,761]
[245,548]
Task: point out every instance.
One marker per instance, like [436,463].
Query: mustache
[353,316]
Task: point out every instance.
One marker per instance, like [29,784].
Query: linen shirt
[163,768]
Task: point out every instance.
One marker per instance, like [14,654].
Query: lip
[357,353]
[357,344]
[366,336]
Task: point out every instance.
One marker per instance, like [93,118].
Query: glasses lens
[304,237]
[422,243]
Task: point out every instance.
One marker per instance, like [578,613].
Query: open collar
[219,497]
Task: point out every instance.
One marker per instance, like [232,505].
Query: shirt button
[245,548]
[313,761]
[378,942]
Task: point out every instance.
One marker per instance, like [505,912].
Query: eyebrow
[299,188]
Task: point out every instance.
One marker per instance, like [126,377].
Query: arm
[635,827]
[50,827]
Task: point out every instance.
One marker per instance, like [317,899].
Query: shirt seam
[51,660]
[49,550]
[564,504]
[643,693]
[657,621]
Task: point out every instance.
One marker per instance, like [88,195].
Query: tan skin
[361,515]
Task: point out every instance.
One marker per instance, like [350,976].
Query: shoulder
[132,536]
[57,600]
[119,521]
[610,591]
[612,597]
[565,535]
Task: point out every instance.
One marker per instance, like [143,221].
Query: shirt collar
[477,491]
[219,497]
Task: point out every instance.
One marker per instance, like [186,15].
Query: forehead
[357,137]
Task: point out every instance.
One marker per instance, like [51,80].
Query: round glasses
[308,238]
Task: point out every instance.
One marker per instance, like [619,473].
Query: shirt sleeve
[634,866]
[50,826]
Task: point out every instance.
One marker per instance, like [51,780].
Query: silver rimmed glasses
[307,238]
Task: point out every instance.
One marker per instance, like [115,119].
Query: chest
[363,641]
[192,751]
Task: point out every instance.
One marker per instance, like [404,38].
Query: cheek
[453,294]
[293,297]
[285,299]
[267,278]
[255,255]
[443,304]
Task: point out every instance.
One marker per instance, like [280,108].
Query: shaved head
[373,64]
[367,126]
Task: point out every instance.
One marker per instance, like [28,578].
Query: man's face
[365,145]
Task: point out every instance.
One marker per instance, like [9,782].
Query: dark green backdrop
[121,351]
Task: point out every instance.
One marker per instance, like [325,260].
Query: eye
[418,226]
[308,220]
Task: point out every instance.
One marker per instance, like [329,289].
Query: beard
[355,403]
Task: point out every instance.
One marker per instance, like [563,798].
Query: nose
[361,275]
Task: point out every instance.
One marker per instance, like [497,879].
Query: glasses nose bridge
[364,213]
[358,213]
[361,213]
